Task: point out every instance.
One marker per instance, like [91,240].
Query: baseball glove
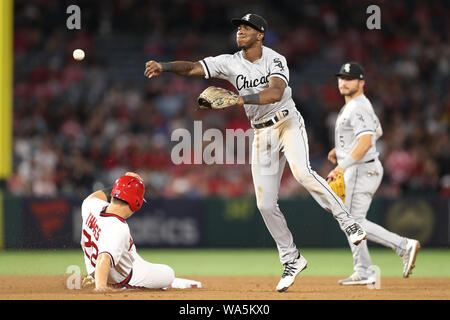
[337,184]
[216,98]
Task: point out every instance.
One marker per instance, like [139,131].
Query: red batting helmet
[131,190]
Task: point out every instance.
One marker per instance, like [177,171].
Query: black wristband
[166,66]
[251,98]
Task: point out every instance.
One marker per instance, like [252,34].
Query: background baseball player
[109,252]
[261,77]
[357,129]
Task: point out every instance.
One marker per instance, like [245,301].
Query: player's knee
[303,177]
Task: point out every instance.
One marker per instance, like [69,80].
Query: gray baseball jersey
[356,119]
[362,179]
[252,77]
[273,146]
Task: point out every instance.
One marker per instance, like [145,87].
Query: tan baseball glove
[216,98]
[337,184]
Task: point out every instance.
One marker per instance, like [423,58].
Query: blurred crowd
[78,125]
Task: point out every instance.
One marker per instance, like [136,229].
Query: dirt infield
[233,288]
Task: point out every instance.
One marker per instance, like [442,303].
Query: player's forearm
[182,68]
[267,96]
[102,271]
[100,194]
[271,95]
[357,153]
[361,148]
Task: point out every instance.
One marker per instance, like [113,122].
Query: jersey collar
[103,213]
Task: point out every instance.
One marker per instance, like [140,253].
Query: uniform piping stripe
[124,283]
[353,191]
[364,131]
[279,74]
[309,170]
[104,214]
[207,69]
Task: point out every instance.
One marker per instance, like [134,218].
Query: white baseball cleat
[356,279]
[291,270]
[409,257]
[179,283]
[356,233]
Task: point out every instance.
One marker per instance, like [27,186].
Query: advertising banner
[47,223]
[220,222]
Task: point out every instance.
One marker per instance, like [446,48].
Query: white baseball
[78,54]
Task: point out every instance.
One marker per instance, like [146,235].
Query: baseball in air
[78,54]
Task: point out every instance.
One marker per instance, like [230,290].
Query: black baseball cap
[352,70]
[252,20]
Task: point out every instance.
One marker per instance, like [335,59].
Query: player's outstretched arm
[100,194]
[272,94]
[182,68]
[105,193]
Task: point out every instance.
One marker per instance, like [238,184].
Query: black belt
[369,161]
[272,121]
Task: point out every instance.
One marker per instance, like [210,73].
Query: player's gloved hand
[336,181]
[216,98]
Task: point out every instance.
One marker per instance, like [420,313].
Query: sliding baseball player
[359,172]
[261,76]
[109,252]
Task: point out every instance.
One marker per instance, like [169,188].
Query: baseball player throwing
[357,129]
[109,252]
[261,76]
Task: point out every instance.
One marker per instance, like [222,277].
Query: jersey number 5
[88,244]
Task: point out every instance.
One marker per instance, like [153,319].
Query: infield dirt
[232,288]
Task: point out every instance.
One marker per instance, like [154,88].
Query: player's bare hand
[105,290]
[135,175]
[152,69]
[87,281]
[332,156]
[240,102]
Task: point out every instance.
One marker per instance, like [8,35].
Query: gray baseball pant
[271,148]
[361,183]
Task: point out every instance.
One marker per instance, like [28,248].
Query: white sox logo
[347,67]
[246,17]
[278,63]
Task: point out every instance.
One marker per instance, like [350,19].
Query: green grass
[230,262]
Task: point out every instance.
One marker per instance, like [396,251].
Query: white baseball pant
[150,275]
